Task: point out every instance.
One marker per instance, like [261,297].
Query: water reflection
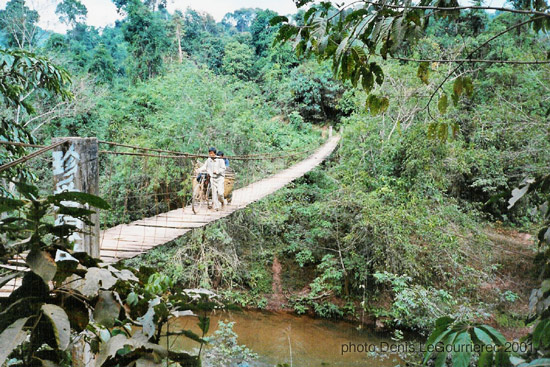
[278,337]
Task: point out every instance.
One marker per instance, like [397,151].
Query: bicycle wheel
[197,198]
[209,196]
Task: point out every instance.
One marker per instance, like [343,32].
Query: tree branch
[513,62]
[436,8]
[472,53]
[458,8]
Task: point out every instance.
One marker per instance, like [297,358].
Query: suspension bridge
[76,169]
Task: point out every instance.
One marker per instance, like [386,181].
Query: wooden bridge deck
[128,240]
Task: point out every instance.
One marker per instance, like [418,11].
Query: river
[277,337]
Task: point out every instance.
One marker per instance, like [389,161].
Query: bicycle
[202,192]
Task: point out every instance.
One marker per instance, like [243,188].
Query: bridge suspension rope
[23,159]
[172,154]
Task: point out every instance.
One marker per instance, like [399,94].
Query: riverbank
[275,282]
[505,295]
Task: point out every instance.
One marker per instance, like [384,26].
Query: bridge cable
[32,155]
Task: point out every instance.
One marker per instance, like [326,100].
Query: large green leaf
[204,324]
[79,197]
[60,324]
[11,337]
[77,311]
[482,336]
[541,362]
[545,337]
[495,334]
[75,212]
[440,359]
[32,286]
[95,279]
[7,204]
[106,309]
[458,86]
[28,191]
[423,72]
[110,348]
[485,359]
[66,267]
[537,333]
[367,80]
[443,103]
[147,320]
[502,358]
[277,19]
[42,264]
[377,70]
[443,322]
[147,362]
[191,335]
[44,362]
[119,341]
[376,104]
[462,350]
[435,337]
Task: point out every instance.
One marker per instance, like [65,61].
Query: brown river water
[275,336]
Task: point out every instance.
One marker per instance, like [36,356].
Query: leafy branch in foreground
[23,72]
[461,341]
[352,35]
[67,296]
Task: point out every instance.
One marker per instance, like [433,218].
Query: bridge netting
[137,182]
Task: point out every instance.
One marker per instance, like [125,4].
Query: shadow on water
[313,342]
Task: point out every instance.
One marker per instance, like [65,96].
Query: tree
[146,32]
[238,60]
[241,19]
[102,64]
[40,317]
[262,33]
[155,4]
[19,23]
[315,94]
[71,12]
[152,5]
[203,39]
[177,21]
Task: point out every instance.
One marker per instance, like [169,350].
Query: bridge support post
[75,168]
[330,131]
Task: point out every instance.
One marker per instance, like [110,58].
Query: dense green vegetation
[397,227]
[393,202]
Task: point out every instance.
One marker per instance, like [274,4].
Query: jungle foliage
[392,227]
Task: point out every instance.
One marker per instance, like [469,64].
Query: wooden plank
[16,268]
[120,254]
[178,225]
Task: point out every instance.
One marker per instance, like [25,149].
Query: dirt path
[515,252]
[277,299]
